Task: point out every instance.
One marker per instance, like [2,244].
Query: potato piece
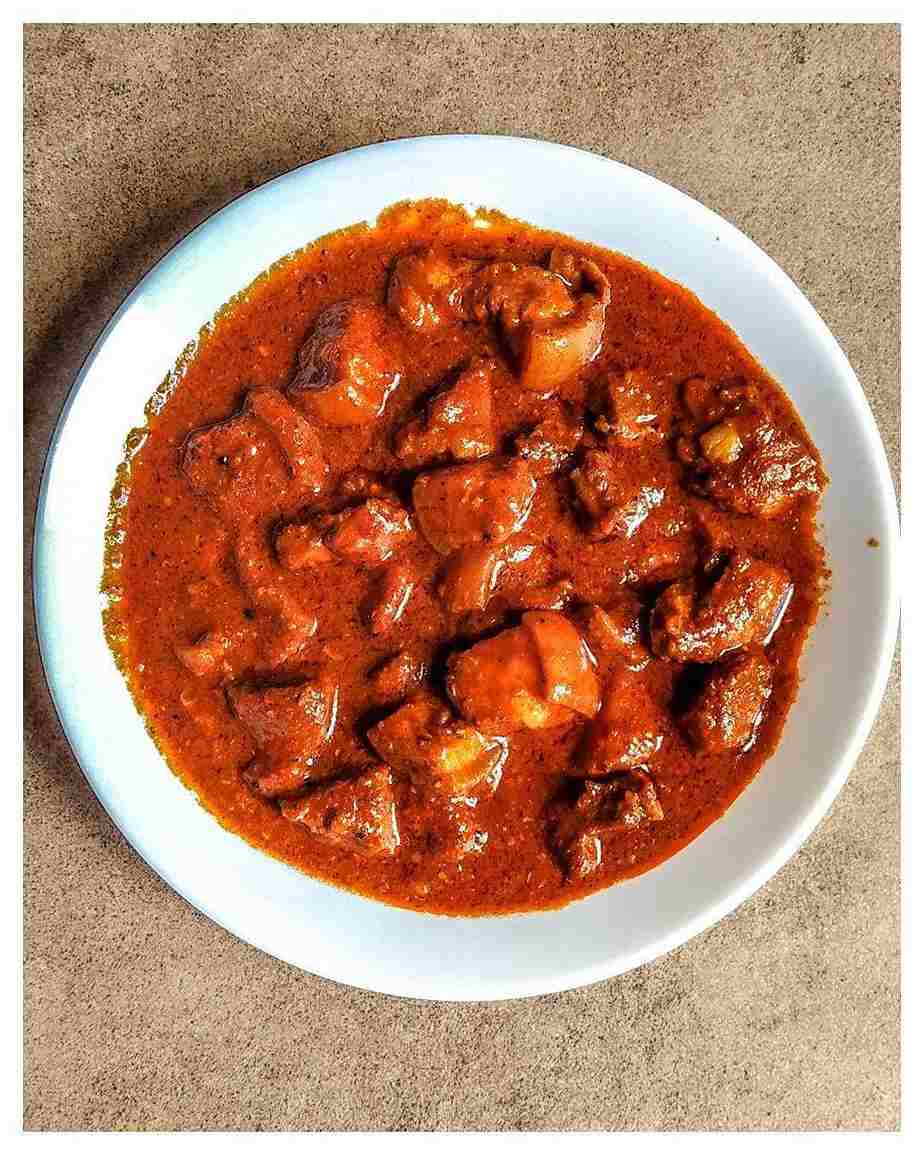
[550,356]
[722,444]
[498,684]
[567,671]
[531,677]
[551,333]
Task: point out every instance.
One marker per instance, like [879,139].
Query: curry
[464,564]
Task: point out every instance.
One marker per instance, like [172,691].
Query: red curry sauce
[630,731]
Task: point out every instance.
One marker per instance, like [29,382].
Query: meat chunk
[302,546]
[727,711]
[616,630]
[715,532]
[550,354]
[472,504]
[743,608]
[355,813]
[295,436]
[634,408]
[739,457]
[290,725]
[551,319]
[549,445]
[518,295]
[294,626]
[344,374]
[398,583]
[265,583]
[768,476]
[472,574]
[627,733]
[397,676]
[707,401]
[359,483]
[244,464]
[613,501]
[426,289]
[371,533]
[602,812]
[531,677]
[206,708]
[458,424]
[554,596]
[367,534]
[423,739]
[237,465]
[597,485]
[208,657]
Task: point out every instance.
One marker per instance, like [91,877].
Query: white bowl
[332,932]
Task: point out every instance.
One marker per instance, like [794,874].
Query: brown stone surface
[140,1013]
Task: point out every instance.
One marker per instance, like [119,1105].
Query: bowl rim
[862,723]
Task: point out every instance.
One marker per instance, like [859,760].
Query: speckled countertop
[140,1013]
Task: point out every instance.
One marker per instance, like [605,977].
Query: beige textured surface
[140,1013]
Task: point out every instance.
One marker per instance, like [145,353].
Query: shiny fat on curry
[464,564]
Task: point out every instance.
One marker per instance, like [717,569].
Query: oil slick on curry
[466,565]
